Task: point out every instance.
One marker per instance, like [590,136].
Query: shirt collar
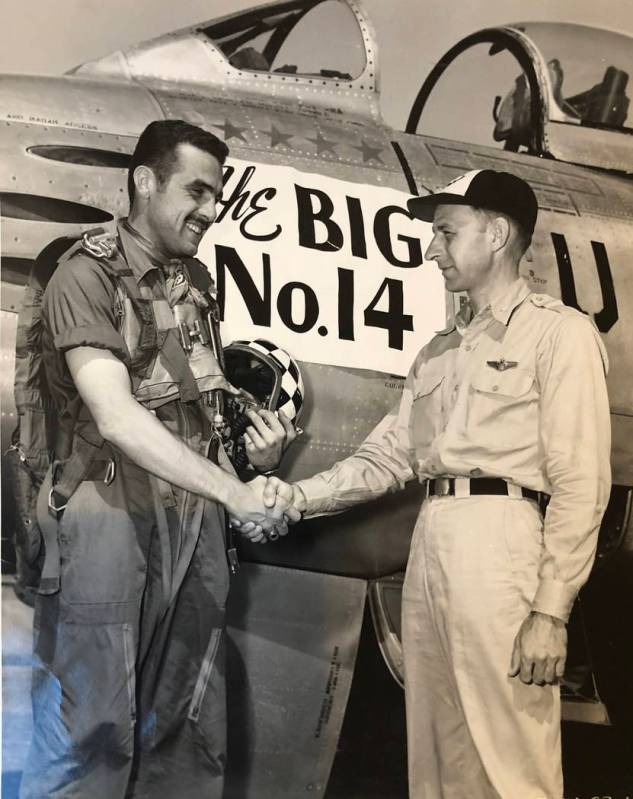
[139,251]
[501,306]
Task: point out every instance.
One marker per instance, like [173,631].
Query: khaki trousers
[473,732]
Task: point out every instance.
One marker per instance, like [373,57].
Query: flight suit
[516,396]
[129,675]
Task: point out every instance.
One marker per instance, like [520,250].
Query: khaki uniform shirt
[516,392]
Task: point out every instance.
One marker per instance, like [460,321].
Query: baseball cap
[486,189]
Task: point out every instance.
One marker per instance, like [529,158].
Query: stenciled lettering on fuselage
[329,269]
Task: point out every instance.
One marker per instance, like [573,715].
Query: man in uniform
[128,691]
[505,409]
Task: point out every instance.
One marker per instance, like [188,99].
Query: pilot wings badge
[501,365]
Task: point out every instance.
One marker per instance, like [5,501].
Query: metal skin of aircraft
[314,249]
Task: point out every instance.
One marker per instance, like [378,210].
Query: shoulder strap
[150,340]
[203,281]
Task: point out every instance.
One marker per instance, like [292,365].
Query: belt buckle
[442,486]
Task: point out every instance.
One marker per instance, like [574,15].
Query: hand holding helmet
[261,419]
[267,437]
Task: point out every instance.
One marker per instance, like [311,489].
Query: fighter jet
[314,249]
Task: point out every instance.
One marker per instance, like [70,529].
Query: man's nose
[209,210]
[432,251]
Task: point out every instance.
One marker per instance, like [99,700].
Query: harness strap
[75,470]
[150,338]
[49,579]
[53,498]
[187,548]
[230,542]
[164,540]
[173,573]
[175,361]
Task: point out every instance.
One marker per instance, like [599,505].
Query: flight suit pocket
[102,562]
[427,410]
[84,699]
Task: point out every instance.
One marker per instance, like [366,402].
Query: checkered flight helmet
[268,373]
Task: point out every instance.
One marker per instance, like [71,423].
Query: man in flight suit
[129,682]
[500,411]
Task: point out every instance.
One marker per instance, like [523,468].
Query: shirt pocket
[427,411]
[502,404]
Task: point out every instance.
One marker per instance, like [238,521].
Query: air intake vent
[84,156]
[32,208]
[16,270]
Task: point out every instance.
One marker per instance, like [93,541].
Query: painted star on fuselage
[278,136]
[369,152]
[231,131]
[322,144]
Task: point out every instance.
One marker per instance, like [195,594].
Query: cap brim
[424,207]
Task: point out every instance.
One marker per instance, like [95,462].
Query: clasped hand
[283,504]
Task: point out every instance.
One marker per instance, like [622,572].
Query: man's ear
[500,229]
[144,181]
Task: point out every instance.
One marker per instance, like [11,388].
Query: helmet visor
[254,373]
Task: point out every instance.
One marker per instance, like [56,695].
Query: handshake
[265,507]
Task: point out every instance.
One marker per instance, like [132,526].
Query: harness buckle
[192,328]
[56,509]
[110,472]
[234,562]
[185,338]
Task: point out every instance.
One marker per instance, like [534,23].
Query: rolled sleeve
[78,308]
[576,442]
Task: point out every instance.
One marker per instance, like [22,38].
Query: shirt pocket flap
[427,383]
[510,383]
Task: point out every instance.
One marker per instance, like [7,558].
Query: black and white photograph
[317,399]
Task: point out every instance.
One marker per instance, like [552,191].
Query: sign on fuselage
[329,269]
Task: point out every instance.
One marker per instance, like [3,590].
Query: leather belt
[467,487]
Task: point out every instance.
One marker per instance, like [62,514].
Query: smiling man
[504,418]
[128,690]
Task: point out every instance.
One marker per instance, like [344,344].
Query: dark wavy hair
[156,148]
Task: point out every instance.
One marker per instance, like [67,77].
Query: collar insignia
[99,243]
